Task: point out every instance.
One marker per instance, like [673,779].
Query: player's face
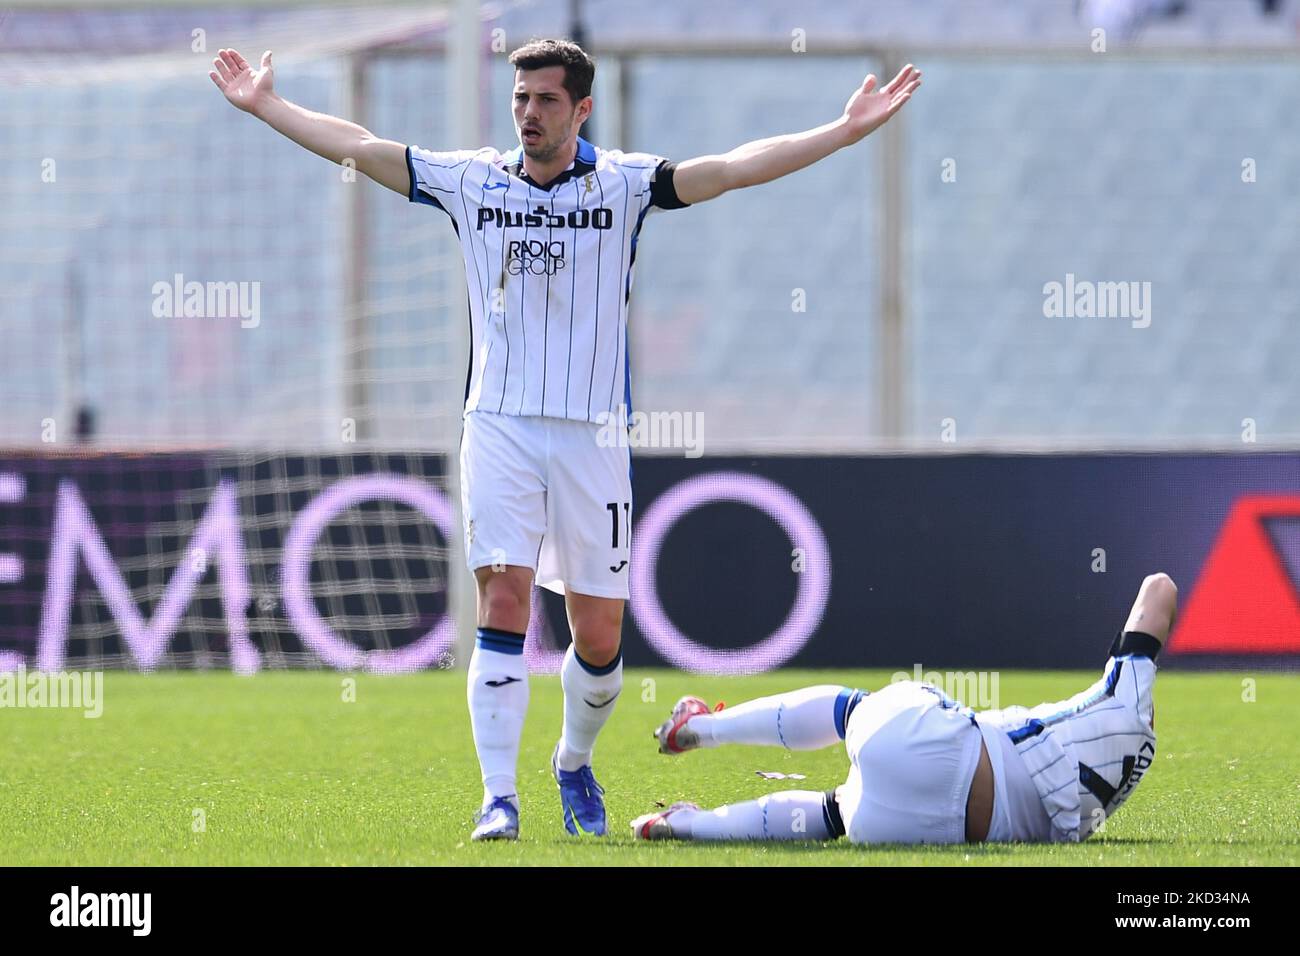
[546,119]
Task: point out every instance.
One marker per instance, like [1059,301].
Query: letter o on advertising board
[810,598]
[300,541]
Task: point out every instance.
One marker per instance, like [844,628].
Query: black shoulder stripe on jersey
[410,171]
[663,193]
[416,194]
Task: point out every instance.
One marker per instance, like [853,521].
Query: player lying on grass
[926,769]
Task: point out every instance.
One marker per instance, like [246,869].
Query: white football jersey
[549,270]
[1086,755]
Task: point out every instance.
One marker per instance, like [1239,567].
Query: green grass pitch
[214,769]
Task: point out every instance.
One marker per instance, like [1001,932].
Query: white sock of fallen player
[787,815]
[806,719]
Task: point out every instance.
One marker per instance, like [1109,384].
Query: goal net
[204,323]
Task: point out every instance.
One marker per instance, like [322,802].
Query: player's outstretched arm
[252,90]
[706,177]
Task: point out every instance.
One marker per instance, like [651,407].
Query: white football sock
[498,701]
[806,719]
[589,694]
[787,815]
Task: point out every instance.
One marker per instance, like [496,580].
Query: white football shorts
[913,752]
[550,494]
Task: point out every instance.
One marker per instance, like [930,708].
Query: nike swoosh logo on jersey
[495,186]
[502,683]
[599,706]
[621,565]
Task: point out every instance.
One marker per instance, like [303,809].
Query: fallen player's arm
[335,139]
[763,160]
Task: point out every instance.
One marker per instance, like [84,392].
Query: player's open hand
[245,87]
[868,108]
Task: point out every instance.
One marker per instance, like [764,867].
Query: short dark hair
[579,68]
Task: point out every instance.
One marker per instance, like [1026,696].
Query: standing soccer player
[548,233]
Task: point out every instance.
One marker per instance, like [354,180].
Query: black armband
[663,192]
[1135,642]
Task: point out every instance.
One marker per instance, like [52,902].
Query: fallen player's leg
[786,815]
[1057,770]
[901,738]
[806,719]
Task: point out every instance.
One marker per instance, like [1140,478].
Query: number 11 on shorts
[612,508]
